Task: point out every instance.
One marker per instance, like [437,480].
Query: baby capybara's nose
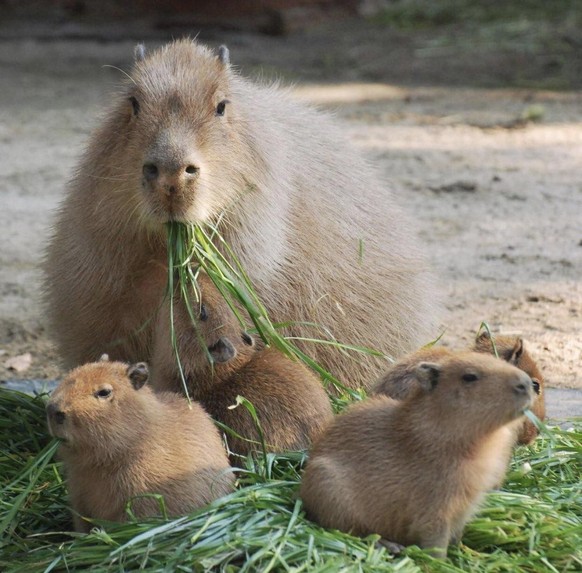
[523,385]
[57,416]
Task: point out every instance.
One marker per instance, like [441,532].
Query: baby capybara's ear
[514,354]
[427,374]
[138,374]
[222,351]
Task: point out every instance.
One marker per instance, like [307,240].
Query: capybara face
[217,334]
[185,138]
[511,349]
[95,402]
[482,386]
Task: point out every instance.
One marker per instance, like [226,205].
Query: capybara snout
[55,414]
[524,386]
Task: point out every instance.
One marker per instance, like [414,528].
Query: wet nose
[168,179]
[56,415]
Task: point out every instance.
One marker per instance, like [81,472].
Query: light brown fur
[131,443]
[399,381]
[414,471]
[512,350]
[291,404]
[312,224]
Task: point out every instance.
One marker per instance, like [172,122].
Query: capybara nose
[523,385]
[56,415]
[151,171]
[168,179]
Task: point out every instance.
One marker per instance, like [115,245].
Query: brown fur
[132,443]
[297,202]
[512,350]
[399,381]
[291,404]
[379,469]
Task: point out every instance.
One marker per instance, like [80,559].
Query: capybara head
[217,335]
[99,403]
[187,145]
[512,350]
[475,388]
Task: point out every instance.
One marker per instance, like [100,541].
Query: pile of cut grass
[534,524]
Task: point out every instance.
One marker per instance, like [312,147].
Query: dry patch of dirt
[497,199]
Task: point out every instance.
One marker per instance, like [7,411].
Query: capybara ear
[224,55]
[247,339]
[139,52]
[427,374]
[104,358]
[483,336]
[223,350]
[138,374]
[514,354]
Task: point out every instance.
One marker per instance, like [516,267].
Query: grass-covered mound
[534,524]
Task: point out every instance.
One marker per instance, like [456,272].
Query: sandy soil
[498,200]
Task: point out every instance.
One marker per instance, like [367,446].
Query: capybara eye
[470,377]
[221,107]
[536,385]
[203,312]
[103,393]
[134,105]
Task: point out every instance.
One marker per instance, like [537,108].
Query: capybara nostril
[56,415]
[192,170]
[150,171]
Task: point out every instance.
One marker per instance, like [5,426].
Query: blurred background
[519,43]
[471,110]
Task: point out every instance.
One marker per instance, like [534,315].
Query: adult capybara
[415,470]
[188,139]
[121,441]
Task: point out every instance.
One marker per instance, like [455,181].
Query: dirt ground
[491,174]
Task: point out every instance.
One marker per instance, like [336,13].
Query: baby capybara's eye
[103,393]
[536,385]
[203,313]
[470,377]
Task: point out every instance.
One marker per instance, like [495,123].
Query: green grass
[534,524]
